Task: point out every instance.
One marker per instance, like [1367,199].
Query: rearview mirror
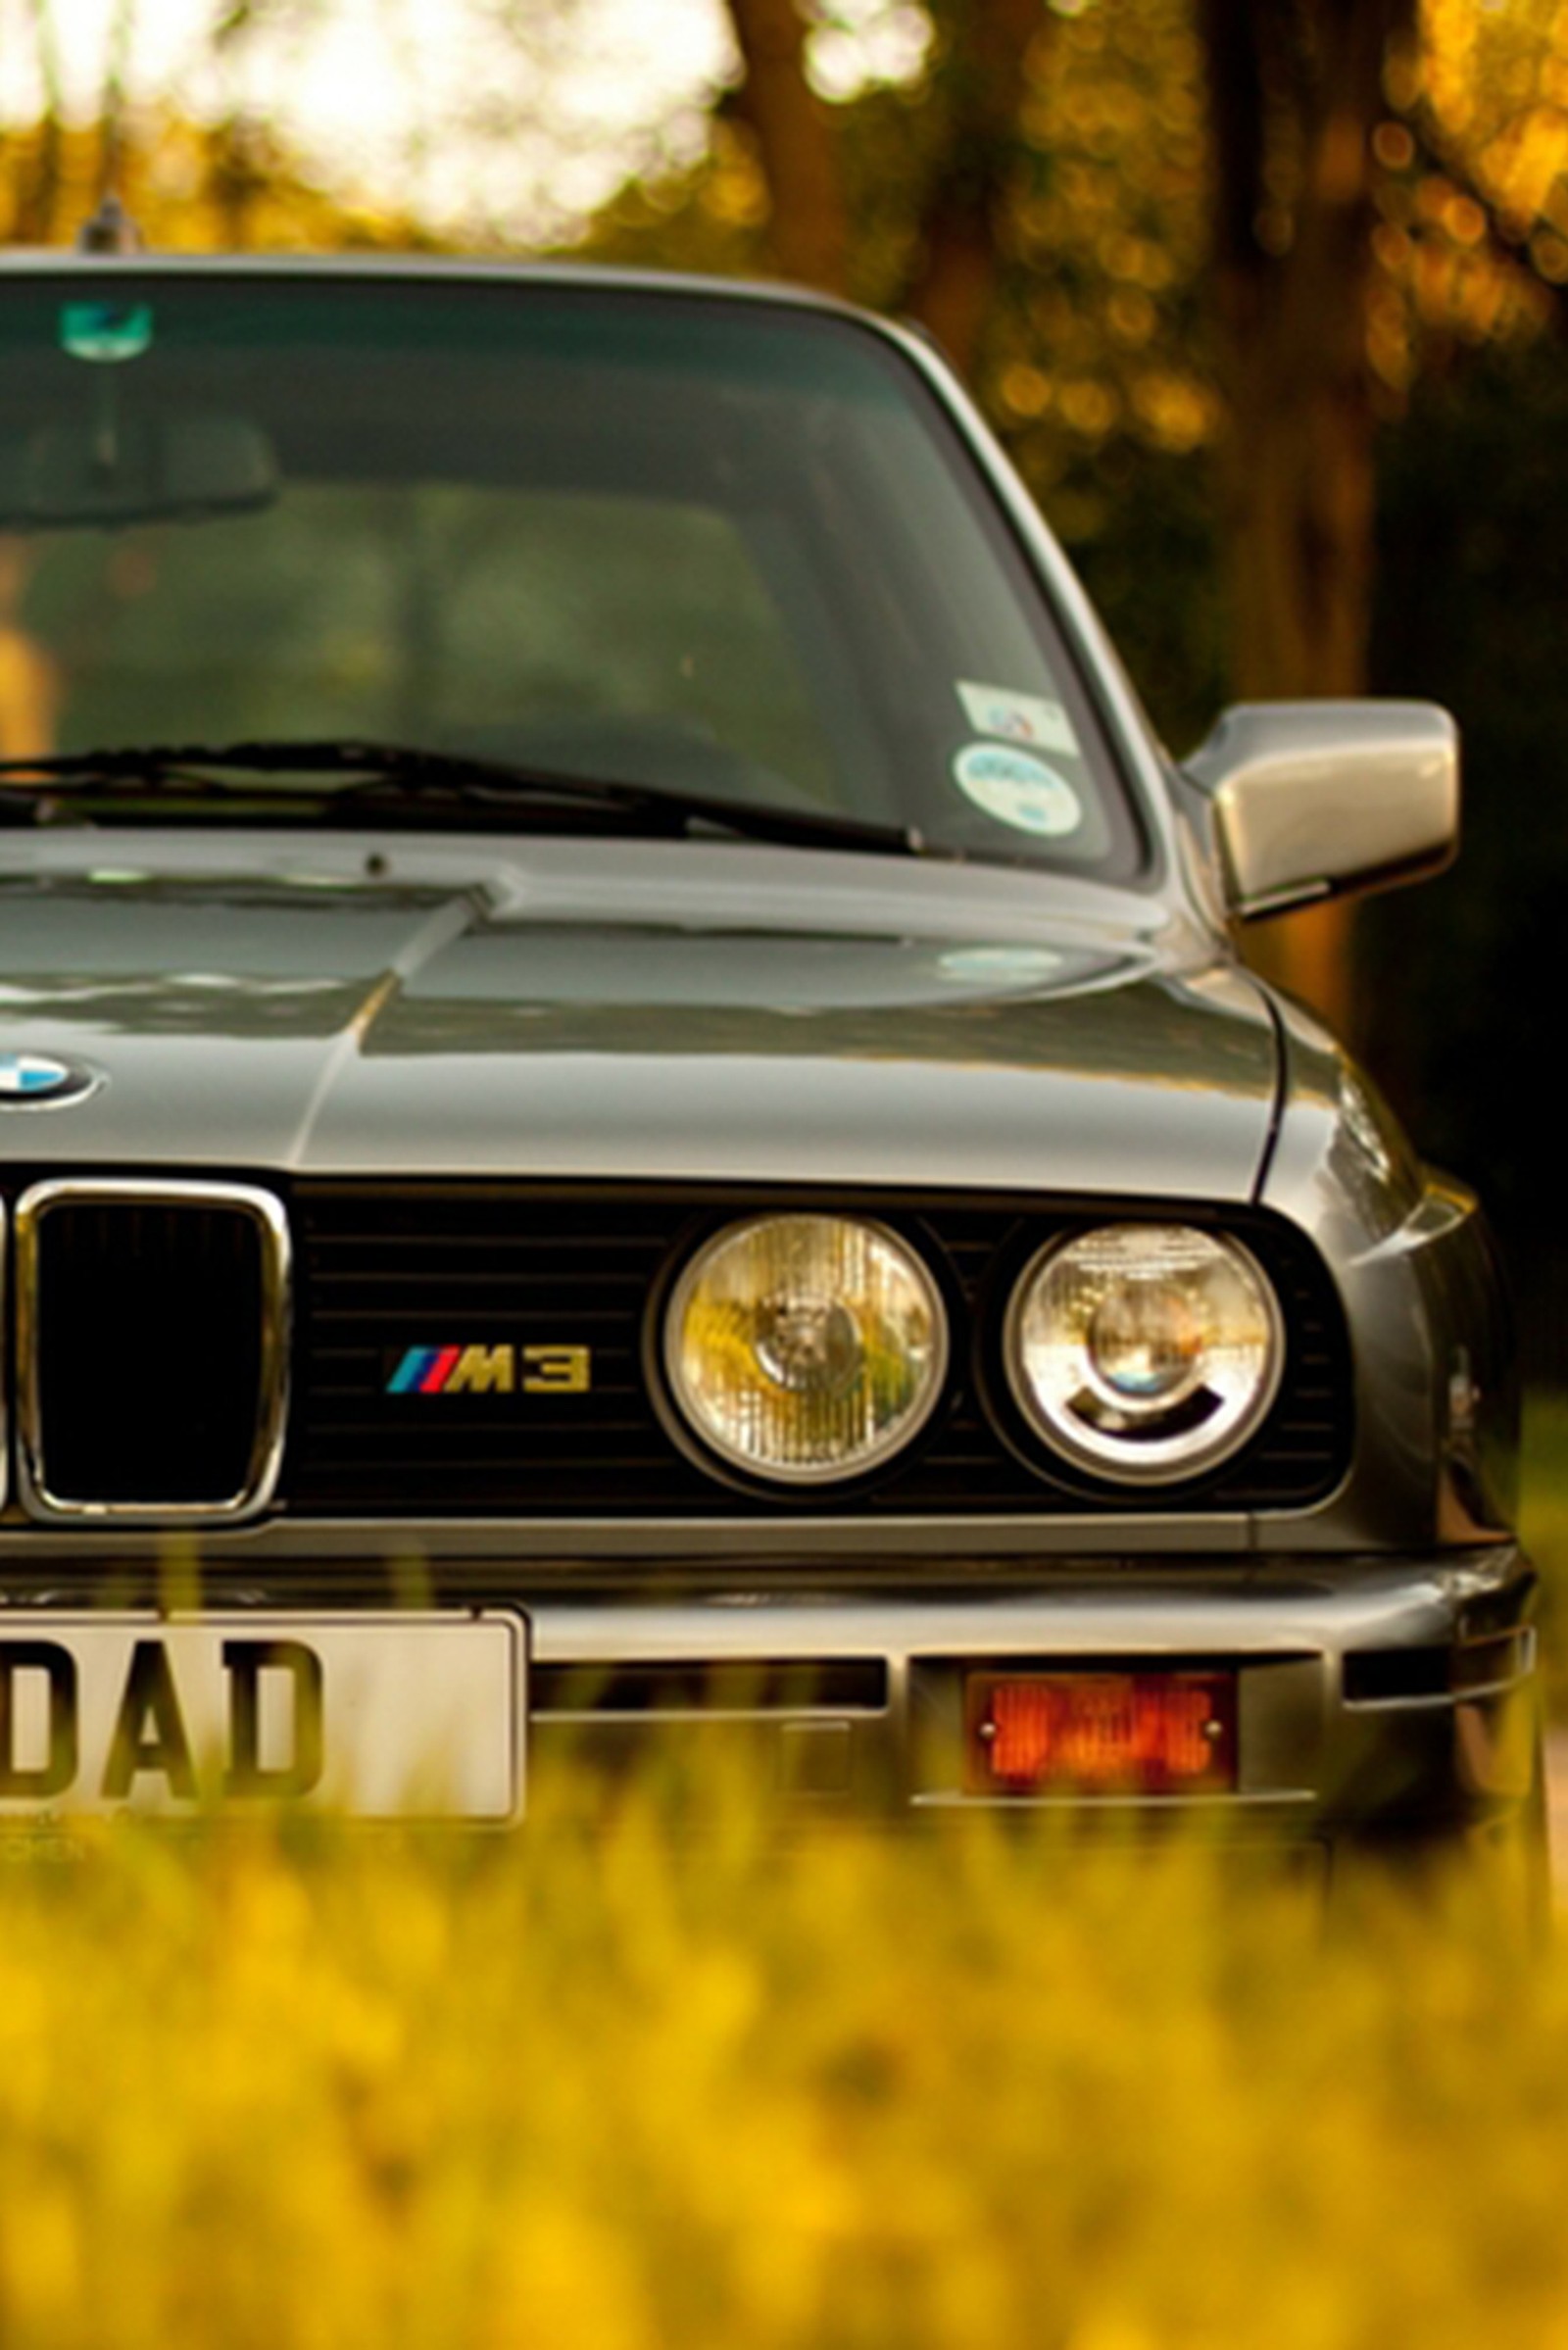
[1310,799]
[167,468]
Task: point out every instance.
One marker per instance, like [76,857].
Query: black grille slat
[383,1267]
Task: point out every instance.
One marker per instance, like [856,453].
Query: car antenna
[110,231]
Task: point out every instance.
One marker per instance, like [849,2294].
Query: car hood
[629,1010]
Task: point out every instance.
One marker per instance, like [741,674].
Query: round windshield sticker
[1017,789]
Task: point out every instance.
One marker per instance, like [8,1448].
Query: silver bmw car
[631,1119]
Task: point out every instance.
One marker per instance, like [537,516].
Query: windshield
[706,546]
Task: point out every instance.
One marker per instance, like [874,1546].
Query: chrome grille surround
[266,1459]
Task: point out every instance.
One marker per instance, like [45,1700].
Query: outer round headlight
[1144,1352]
[806,1348]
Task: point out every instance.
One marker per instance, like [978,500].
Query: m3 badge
[504,1370]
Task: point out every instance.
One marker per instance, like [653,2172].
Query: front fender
[1437,1401]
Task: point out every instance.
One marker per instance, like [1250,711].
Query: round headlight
[806,1348]
[1145,1350]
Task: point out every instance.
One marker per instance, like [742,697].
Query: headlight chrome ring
[806,1349]
[1147,1354]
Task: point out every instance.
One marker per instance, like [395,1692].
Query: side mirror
[1310,799]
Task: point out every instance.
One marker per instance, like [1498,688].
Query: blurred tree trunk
[795,142]
[36,202]
[982,48]
[236,178]
[112,102]
[1297,92]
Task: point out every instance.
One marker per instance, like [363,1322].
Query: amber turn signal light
[1113,1733]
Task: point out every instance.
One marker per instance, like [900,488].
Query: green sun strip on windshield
[766,346]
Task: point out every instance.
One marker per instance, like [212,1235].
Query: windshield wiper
[391,777]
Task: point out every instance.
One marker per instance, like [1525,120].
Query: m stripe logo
[424,1371]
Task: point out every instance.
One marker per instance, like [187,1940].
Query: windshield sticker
[1029,719]
[1017,789]
[106,331]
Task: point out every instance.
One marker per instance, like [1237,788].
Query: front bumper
[1376,1697]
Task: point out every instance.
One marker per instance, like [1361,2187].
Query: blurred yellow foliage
[190,187]
[622,2085]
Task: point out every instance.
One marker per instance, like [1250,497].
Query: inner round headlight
[806,1348]
[1145,1350]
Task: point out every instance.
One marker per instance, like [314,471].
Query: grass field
[616,2087]
[626,2091]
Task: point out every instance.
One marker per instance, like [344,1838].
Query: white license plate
[412,1716]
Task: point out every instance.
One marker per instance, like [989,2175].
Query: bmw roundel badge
[38,1077]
